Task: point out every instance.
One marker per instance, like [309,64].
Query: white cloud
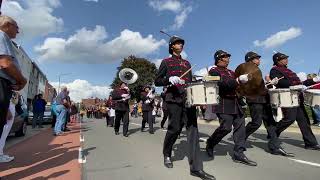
[157,62]
[279,38]
[91,46]
[169,5]
[91,0]
[35,18]
[81,89]
[302,76]
[184,55]
[181,18]
[180,9]
[203,71]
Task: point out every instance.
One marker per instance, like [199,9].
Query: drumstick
[308,87]
[271,80]
[187,71]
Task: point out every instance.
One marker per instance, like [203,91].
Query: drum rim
[313,91]
[280,90]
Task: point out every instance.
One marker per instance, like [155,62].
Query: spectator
[316,109]
[7,128]
[53,112]
[67,119]
[61,110]
[38,111]
[11,77]
[73,112]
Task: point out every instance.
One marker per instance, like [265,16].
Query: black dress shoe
[202,175]
[314,147]
[116,133]
[244,160]
[209,151]
[142,129]
[126,135]
[281,152]
[167,162]
[151,132]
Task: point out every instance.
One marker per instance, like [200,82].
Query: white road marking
[305,162]
[81,159]
[203,139]
[81,138]
[136,124]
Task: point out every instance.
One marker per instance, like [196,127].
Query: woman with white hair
[11,77]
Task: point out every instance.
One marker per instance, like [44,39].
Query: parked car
[19,127]
[47,117]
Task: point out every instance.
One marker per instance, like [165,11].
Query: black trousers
[54,120]
[226,123]
[165,117]
[147,117]
[263,113]
[110,120]
[178,116]
[124,116]
[300,115]
[5,96]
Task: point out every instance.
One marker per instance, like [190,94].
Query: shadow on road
[40,153]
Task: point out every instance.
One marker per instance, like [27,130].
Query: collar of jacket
[176,57]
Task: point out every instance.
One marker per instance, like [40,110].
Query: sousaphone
[128,76]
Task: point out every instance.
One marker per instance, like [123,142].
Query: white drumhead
[313,91]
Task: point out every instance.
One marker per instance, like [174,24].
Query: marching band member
[122,96]
[228,110]
[164,107]
[110,111]
[169,74]
[299,114]
[147,98]
[258,101]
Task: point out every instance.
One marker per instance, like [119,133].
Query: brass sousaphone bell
[128,75]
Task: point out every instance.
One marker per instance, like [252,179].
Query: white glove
[316,79]
[304,87]
[174,80]
[151,96]
[243,78]
[125,95]
[147,101]
[274,81]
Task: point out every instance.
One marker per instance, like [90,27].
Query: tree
[145,69]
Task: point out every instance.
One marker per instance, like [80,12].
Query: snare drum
[285,98]
[202,93]
[312,97]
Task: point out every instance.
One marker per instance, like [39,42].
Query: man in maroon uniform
[169,74]
[299,114]
[122,95]
[147,98]
[228,110]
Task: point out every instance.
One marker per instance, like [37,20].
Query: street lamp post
[60,75]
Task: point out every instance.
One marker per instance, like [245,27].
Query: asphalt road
[139,156]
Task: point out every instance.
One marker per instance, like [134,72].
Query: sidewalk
[44,156]
[293,128]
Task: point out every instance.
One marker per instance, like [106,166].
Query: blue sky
[90,37]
